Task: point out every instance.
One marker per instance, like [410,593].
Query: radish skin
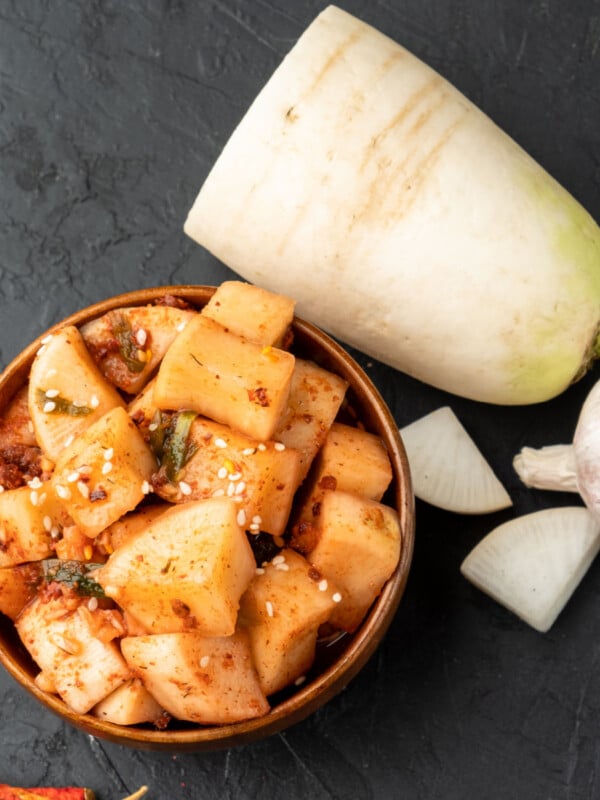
[404,221]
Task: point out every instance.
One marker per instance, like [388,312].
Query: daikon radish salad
[195,509]
[359,177]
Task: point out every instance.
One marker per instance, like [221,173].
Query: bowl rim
[361,645]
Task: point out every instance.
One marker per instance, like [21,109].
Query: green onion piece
[60,405]
[177,451]
[74,574]
[128,347]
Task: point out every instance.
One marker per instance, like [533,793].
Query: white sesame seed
[241,517]
[337,597]
[55,531]
[262,447]
[259,571]
[108,454]
[153,426]
[43,498]
[69,441]
[49,407]
[238,498]
[222,472]
[1,488]
[94,402]
[33,497]
[47,339]
[218,493]
[79,403]
[146,488]
[257,519]
[83,489]
[204,661]
[279,446]
[141,337]
[323,585]
[65,643]
[185,488]
[269,607]
[107,467]
[47,524]
[278,559]
[35,483]
[235,476]
[52,393]
[231,490]
[283,567]
[221,443]
[181,325]
[240,488]
[254,528]
[249,451]
[41,350]
[92,603]
[73,476]
[63,492]
[84,469]
[300,680]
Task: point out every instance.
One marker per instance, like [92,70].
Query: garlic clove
[552,467]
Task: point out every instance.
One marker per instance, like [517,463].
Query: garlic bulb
[569,467]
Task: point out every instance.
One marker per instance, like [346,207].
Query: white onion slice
[448,469]
[532,564]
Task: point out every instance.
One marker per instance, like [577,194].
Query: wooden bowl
[337,662]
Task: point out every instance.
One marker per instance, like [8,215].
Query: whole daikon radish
[404,221]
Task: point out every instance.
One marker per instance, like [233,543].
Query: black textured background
[111,114]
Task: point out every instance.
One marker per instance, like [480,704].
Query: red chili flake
[304,538]
[97,494]
[259,396]
[173,302]
[180,609]
[163,721]
[328,482]
[138,416]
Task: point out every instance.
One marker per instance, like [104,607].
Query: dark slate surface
[111,113]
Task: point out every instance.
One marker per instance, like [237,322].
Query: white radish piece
[532,564]
[448,470]
[569,467]
[404,221]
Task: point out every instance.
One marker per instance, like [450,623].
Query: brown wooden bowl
[337,662]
